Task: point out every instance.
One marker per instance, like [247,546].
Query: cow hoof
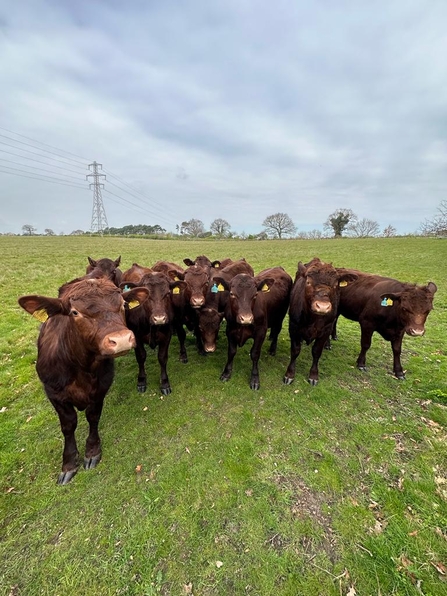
[362,368]
[65,477]
[92,462]
[401,377]
[313,382]
[224,378]
[328,347]
[166,390]
[287,380]
[184,359]
[141,388]
[255,385]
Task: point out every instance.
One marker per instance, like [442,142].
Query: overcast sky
[235,109]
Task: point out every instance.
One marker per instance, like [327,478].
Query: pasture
[215,489]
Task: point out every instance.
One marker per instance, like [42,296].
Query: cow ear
[265,284]
[219,284]
[346,278]
[175,275]
[135,296]
[92,262]
[390,298]
[125,286]
[178,286]
[117,261]
[431,287]
[42,307]
[188,262]
[301,270]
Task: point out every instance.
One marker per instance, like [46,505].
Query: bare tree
[363,228]
[193,227]
[28,230]
[438,225]
[389,231]
[339,220]
[220,227]
[279,225]
[48,232]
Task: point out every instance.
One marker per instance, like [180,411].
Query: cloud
[232,110]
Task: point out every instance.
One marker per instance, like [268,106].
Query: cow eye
[74,312]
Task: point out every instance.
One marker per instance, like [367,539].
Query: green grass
[217,489]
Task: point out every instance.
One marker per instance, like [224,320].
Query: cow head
[209,320]
[197,282]
[92,313]
[105,268]
[160,290]
[414,304]
[322,283]
[243,289]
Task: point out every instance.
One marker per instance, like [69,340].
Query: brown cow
[108,267]
[254,305]
[210,316]
[312,311]
[84,330]
[152,324]
[388,306]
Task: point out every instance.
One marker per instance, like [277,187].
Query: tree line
[342,222]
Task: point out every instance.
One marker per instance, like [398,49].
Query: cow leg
[273,337]
[140,355]
[199,342]
[181,334]
[365,344]
[396,345]
[295,349]
[232,349]
[163,349]
[93,443]
[333,335]
[68,420]
[317,350]
[255,354]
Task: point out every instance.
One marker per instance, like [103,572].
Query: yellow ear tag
[133,304]
[176,279]
[221,288]
[216,266]
[343,284]
[389,302]
[176,291]
[41,315]
[265,288]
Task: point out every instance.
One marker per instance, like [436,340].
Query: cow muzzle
[159,319]
[197,301]
[416,331]
[245,319]
[117,344]
[321,307]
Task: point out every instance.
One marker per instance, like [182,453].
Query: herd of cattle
[107,312]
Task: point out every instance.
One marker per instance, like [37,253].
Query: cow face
[159,301]
[243,291]
[197,282]
[105,268]
[321,286]
[413,304]
[91,313]
[209,321]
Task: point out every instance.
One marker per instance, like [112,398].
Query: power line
[161,218]
[34,168]
[33,152]
[34,147]
[37,160]
[40,178]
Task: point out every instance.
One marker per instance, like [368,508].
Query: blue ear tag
[214,289]
[384,302]
[126,288]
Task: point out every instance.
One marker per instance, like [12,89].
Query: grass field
[338,489]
